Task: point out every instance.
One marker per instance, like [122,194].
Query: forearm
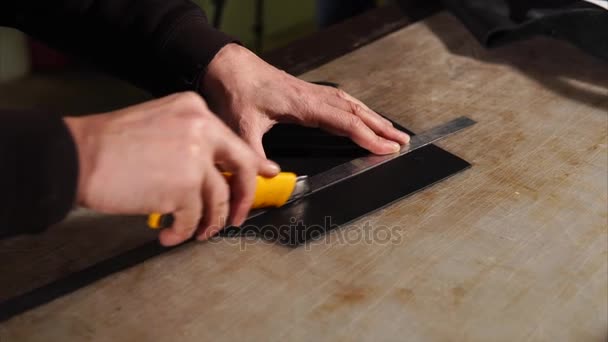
[38,171]
[163,46]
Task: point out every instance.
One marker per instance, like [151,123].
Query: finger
[344,123]
[216,199]
[232,151]
[339,93]
[267,168]
[379,124]
[242,193]
[244,166]
[185,223]
[243,183]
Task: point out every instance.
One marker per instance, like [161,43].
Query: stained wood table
[513,249]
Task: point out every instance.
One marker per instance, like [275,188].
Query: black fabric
[330,12]
[38,171]
[497,22]
[160,45]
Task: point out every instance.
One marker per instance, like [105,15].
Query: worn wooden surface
[513,249]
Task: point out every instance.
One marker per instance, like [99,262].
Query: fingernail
[405,136]
[237,221]
[395,147]
[274,166]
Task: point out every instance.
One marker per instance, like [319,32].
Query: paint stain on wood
[458,293]
[404,295]
[344,299]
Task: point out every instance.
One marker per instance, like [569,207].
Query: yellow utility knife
[270,192]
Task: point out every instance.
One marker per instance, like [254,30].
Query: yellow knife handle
[275,191]
[269,192]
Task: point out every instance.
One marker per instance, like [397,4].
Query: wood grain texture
[82,240]
[514,249]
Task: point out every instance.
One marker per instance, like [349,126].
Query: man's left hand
[251,96]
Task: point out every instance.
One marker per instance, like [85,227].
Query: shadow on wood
[556,65]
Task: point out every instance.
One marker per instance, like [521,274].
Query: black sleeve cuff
[38,171]
[190,47]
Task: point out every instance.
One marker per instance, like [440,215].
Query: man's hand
[251,96]
[163,156]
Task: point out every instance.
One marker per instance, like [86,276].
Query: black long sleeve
[38,171]
[162,46]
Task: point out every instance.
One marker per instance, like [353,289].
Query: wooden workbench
[513,249]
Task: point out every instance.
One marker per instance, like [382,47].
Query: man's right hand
[167,156]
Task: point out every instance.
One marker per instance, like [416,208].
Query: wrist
[223,64]
[78,127]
